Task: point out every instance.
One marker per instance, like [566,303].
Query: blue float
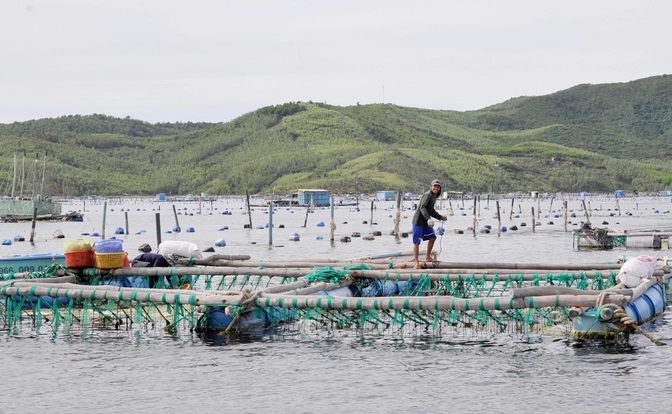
[220,242]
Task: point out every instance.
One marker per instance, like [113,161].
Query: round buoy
[220,242]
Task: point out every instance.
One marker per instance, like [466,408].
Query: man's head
[435,187]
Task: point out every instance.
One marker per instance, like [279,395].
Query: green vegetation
[594,138]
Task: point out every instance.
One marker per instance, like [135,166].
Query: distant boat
[24,209]
[21,208]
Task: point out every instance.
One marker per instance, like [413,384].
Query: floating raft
[230,294]
[604,239]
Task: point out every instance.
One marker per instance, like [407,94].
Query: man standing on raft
[423,226]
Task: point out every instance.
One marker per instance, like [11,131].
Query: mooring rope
[621,319]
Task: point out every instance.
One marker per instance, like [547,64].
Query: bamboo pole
[388,274]
[308,301]
[431,302]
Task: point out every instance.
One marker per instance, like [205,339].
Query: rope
[247,299]
[623,321]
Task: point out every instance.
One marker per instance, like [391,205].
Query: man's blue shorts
[422,233]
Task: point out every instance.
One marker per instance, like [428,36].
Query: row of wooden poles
[297,294]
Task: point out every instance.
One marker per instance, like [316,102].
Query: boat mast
[14,178]
[44,170]
[23,173]
[34,177]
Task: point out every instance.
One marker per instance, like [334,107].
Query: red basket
[79,258]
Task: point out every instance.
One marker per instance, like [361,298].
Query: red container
[79,258]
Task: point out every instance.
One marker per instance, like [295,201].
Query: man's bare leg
[416,254]
[430,246]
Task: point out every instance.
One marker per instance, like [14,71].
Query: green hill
[594,138]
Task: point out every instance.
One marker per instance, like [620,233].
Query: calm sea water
[306,370]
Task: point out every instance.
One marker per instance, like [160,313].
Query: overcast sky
[215,60]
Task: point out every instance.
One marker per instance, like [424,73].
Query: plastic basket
[108,246]
[81,258]
[109,260]
[78,245]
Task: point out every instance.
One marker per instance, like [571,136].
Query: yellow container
[78,245]
[109,260]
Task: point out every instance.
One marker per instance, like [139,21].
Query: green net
[203,303]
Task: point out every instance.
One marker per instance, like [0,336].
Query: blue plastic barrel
[645,307]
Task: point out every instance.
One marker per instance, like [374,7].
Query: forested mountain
[594,138]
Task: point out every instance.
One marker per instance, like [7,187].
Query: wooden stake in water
[158,228]
[511,212]
[249,209]
[586,211]
[270,223]
[177,228]
[475,218]
[104,218]
[32,228]
[305,220]
[499,221]
[397,215]
[126,218]
[564,212]
[534,221]
[371,222]
[332,225]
